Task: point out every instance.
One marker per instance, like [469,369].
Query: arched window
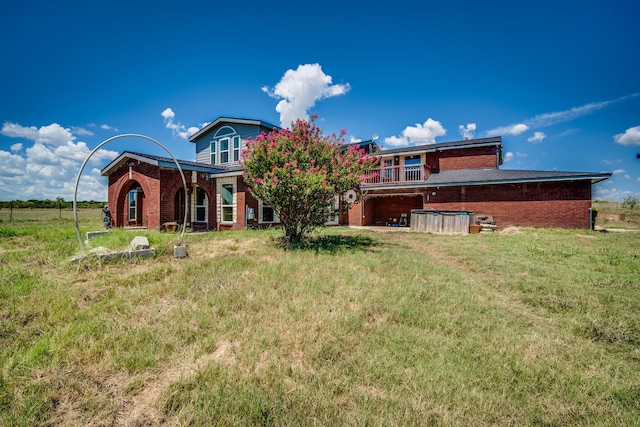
[225,146]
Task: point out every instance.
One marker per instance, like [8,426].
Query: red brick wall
[354,215]
[561,204]
[360,214]
[160,187]
[119,184]
[171,183]
[468,162]
[474,158]
[385,209]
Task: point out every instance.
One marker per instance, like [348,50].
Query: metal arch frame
[134,135]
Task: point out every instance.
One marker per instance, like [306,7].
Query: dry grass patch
[534,327]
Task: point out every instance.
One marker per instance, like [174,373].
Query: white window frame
[223,206]
[228,137]
[235,148]
[134,193]
[261,219]
[224,153]
[200,207]
[213,151]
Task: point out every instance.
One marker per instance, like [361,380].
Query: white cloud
[508,156]
[11,164]
[53,134]
[630,137]
[107,127]
[49,168]
[516,129]
[468,131]
[16,131]
[81,131]
[418,135]
[611,162]
[600,192]
[537,137]
[168,114]
[618,171]
[549,119]
[300,89]
[521,155]
[177,128]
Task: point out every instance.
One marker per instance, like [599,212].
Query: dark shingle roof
[497,176]
[165,162]
[441,146]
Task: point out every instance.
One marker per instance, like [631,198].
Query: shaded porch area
[392,210]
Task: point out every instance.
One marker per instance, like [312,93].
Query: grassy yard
[612,214]
[521,327]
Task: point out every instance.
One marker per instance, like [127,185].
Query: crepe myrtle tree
[299,172]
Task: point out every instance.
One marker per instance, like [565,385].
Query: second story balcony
[397,175]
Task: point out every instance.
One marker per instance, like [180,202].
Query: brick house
[466,175]
[148,191]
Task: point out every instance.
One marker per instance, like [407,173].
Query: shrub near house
[300,172]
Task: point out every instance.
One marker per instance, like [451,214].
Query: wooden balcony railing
[397,174]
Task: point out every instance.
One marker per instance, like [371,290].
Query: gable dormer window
[225,146]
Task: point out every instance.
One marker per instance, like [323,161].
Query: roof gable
[222,121]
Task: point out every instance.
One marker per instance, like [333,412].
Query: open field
[612,214]
[521,327]
[18,215]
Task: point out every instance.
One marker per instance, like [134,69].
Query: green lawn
[521,327]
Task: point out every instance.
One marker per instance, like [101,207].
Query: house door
[135,206]
[178,206]
[387,170]
[412,168]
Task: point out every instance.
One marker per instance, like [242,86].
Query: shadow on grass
[331,243]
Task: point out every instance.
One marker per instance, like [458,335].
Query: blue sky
[560,81]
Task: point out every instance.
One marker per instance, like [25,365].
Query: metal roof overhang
[168,164]
[594,178]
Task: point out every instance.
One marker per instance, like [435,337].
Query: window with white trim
[133,204]
[224,150]
[225,146]
[236,148]
[226,202]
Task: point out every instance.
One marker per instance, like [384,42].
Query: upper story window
[225,146]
